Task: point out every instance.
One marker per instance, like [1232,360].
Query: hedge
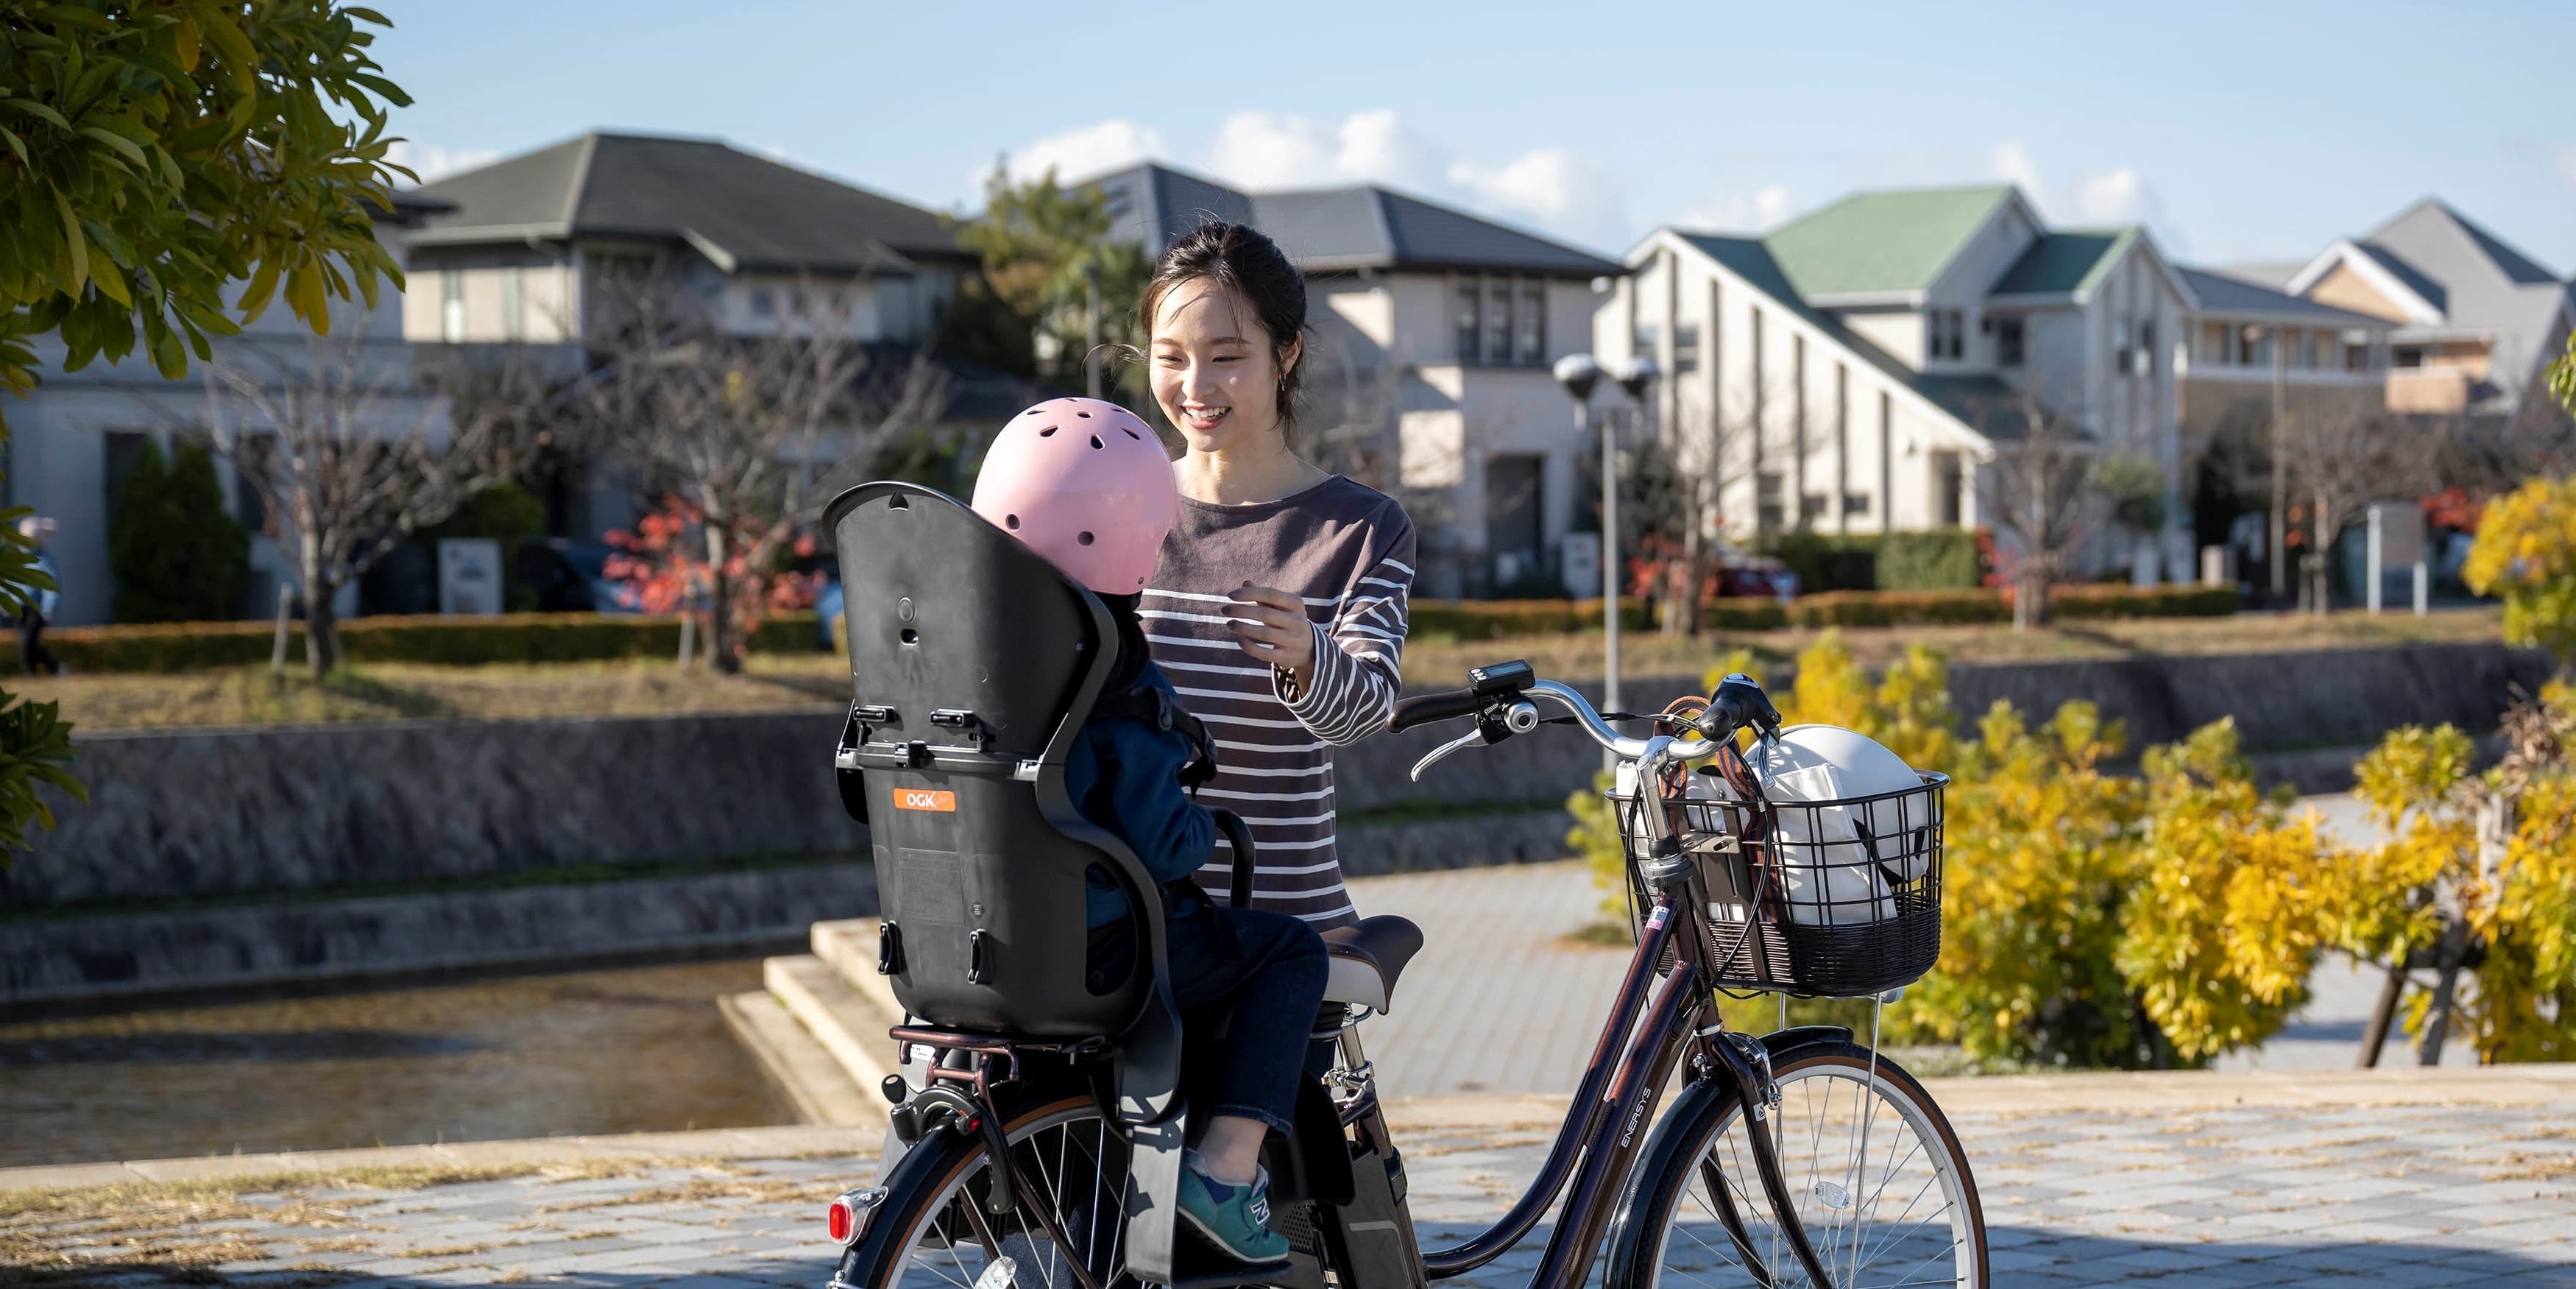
[1937,559]
[591,637]
[427,638]
[1923,608]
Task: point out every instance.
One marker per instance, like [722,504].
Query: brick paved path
[2420,1194]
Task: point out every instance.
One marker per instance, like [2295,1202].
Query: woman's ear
[1288,357]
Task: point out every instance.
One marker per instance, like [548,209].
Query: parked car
[571,576]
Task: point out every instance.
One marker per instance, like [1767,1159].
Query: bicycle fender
[1667,1147]
[1782,1042]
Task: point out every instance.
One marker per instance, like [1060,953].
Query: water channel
[632,1049]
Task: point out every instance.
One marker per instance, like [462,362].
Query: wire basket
[1835,899]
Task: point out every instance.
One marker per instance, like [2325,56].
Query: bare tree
[735,425]
[2039,490]
[2341,454]
[350,452]
[1713,454]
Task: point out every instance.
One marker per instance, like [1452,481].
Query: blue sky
[2238,132]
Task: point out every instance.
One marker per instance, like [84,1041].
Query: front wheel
[1877,1176]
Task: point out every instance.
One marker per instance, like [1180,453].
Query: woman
[1279,605]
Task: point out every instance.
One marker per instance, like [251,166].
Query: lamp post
[1581,374]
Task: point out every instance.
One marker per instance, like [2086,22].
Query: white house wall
[1990,253]
[1898,331]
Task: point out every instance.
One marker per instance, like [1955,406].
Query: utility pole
[1091,328]
[2279,549]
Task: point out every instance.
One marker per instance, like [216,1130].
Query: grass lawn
[250,696]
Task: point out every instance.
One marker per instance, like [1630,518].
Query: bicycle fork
[1759,1094]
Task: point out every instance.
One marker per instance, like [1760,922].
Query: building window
[2147,349]
[2294,347]
[451,306]
[2406,356]
[1946,482]
[762,304]
[2253,347]
[1812,507]
[1498,322]
[1471,328]
[2008,342]
[1685,348]
[1948,334]
[1533,324]
[2214,347]
[514,305]
[1855,505]
[2356,354]
[1647,337]
[1769,512]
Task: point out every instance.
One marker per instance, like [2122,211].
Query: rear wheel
[1878,1178]
[937,1231]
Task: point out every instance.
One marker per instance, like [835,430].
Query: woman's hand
[1273,627]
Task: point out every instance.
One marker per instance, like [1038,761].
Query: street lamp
[1581,374]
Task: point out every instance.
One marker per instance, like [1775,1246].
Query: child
[1086,484]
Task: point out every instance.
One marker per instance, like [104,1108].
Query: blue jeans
[1247,983]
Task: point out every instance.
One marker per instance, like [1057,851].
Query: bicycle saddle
[1367,956]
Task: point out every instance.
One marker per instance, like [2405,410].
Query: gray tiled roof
[2223,292]
[756,212]
[1338,229]
[1982,403]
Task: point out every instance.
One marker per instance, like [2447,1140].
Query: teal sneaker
[1236,1219]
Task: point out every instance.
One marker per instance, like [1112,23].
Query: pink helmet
[1084,483]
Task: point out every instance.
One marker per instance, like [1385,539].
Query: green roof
[1882,242]
[2066,263]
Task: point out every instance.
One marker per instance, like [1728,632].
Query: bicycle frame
[1597,1146]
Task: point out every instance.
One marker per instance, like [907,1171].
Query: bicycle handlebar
[1422,709]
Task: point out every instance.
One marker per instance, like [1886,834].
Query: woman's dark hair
[1243,260]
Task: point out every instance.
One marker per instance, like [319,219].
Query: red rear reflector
[840,1219]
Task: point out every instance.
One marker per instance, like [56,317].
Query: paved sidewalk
[2438,1178]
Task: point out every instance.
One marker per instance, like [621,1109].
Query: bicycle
[1860,1178]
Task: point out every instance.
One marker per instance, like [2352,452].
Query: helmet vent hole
[1048,432]
[897,503]
[1095,440]
[911,636]
[1084,415]
[1084,538]
[1133,434]
[1011,522]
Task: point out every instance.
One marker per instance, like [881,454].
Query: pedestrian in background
[41,602]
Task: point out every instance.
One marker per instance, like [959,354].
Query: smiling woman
[1279,605]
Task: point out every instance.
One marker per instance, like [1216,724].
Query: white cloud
[2120,197]
[2012,162]
[1080,154]
[1269,150]
[433,162]
[1741,212]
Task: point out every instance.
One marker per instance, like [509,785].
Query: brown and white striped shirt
[1347,549]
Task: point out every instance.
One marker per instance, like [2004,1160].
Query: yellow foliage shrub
[2525,552]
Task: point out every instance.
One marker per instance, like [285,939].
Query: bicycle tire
[929,1191]
[1641,1240]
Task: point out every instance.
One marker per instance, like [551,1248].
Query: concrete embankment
[216,858]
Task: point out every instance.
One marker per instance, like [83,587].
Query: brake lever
[1474,736]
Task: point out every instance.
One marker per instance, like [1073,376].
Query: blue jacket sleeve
[1146,803]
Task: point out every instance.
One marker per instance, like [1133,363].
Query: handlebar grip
[1423,709]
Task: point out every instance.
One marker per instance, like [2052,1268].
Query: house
[1429,368]
[2473,322]
[2252,351]
[1860,368]
[517,256]
[528,250]
[72,442]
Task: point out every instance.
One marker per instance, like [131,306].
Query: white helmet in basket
[1840,861]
